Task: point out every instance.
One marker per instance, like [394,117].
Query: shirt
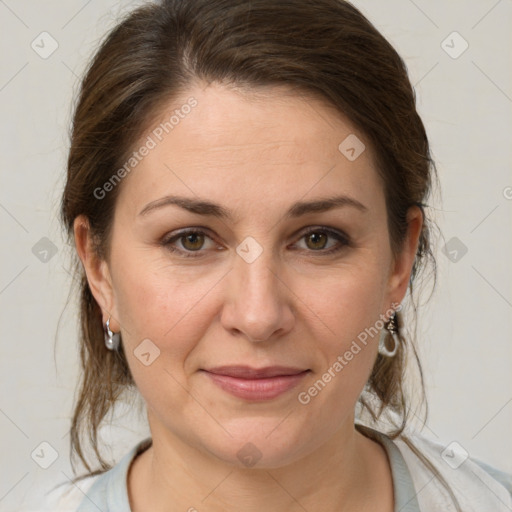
[477,486]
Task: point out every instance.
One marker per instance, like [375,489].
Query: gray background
[465,343]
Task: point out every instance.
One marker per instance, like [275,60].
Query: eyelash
[343,240]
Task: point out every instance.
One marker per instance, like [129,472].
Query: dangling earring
[111,338]
[391,327]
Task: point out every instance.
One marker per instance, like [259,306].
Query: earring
[111,338]
[391,327]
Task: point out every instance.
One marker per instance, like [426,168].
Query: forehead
[247,148]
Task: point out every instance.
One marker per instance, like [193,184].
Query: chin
[261,443]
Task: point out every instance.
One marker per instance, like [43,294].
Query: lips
[256,383]
[246,372]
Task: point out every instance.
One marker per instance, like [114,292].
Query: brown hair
[326,48]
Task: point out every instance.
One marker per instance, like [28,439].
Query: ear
[403,263]
[96,270]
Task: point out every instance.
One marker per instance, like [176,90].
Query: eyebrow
[203,207]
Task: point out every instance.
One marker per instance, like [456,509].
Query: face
[270,275]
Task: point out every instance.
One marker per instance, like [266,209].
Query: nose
[258,301]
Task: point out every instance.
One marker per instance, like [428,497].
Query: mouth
[256,384]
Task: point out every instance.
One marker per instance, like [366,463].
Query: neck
[347,472]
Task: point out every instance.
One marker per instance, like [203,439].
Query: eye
[316,240]
[191,241]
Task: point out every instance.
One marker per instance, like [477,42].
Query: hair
[325,48]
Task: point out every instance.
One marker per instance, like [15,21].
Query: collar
[109,492]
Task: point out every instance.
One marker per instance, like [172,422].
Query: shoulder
[67,496]
[476,485]
[106,491]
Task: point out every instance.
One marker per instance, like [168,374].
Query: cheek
[349,300]
[173,312]
[347,307]
[156,302]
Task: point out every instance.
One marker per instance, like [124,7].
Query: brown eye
[188,243]
[192,241]
[316,240]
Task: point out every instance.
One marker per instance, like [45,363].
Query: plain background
[464,330]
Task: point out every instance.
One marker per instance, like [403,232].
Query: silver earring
[111,338]
[391,327]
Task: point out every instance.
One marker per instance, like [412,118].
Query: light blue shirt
[480,487]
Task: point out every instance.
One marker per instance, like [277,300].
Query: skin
[255,154]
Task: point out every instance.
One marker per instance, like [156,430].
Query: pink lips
[256,383]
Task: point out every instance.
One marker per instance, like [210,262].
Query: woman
[246,189]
